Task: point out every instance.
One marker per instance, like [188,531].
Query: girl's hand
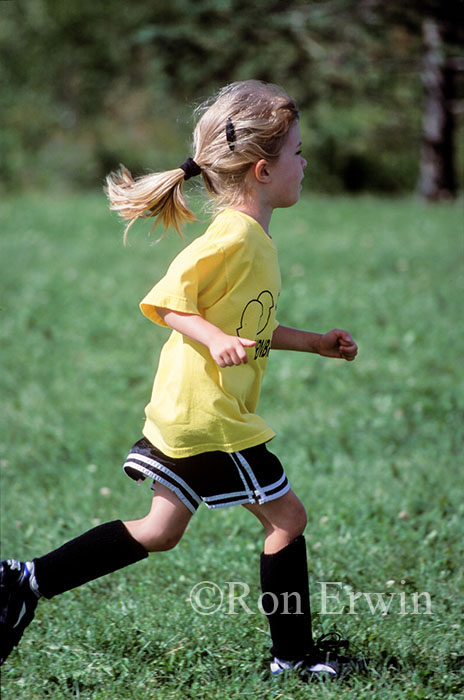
[228,350]
[339,344]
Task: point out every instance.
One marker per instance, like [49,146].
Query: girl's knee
[154,538]
[296,517]
[164,525]
[299,521]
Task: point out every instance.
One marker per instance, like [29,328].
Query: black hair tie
[230,133]
[190,168]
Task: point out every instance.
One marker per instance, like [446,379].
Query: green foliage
[373,449]
[86,85]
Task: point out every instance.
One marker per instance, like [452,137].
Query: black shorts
[219,479]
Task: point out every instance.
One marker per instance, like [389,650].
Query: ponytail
[157,195]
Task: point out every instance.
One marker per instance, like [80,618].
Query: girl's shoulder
[231,228]
[226,234]
[231,237]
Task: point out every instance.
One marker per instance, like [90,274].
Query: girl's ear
[261,171]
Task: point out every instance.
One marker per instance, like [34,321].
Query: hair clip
[230,133]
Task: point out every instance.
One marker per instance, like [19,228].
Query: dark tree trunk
[437,178]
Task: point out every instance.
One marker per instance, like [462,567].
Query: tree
[437,168]
[440,25]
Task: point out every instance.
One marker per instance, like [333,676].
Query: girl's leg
[100,551]
[284,576]
[164,525]
[112,546]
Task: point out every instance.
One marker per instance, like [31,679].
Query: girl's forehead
[293,136]
[294,131]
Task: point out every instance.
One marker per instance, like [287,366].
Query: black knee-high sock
[102,550]
[289,616]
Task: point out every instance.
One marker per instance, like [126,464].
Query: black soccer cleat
[324,662]
[18,602]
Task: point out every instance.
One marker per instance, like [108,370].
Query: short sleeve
[194,281]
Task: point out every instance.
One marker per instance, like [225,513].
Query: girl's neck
[259,213]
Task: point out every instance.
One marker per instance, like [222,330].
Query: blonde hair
[259,116]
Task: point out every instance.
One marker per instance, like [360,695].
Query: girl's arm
[226,350]
[335,343]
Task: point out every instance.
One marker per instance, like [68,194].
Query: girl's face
[287,171]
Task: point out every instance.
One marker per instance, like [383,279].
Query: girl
[202,440]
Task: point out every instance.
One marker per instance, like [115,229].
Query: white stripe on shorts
[153,475]
[165,482]
[246,494]
[247,488]
[275,485]
[258,490]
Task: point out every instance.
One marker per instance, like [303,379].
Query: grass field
[373,449]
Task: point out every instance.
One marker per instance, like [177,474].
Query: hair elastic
[230,133]
[190,168]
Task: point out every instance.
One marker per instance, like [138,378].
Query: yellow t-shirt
[230,276]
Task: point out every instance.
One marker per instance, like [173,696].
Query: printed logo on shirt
[255,319]
[262,348]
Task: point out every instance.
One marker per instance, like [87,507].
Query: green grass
[373,449]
